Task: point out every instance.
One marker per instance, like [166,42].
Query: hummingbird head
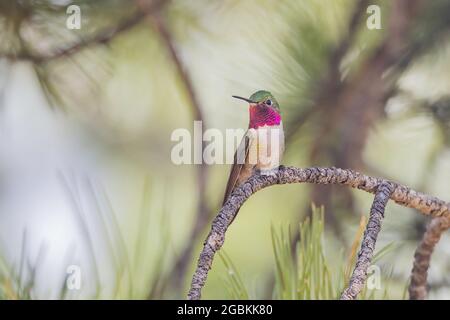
[264,109]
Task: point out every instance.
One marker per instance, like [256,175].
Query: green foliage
[304,51]
[8,283]
[17,282]
[233,282]
[304,273]
[303,270]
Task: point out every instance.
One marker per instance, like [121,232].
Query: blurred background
[86,116]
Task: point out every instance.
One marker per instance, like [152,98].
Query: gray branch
[403,195]
[365,254]
[422,257]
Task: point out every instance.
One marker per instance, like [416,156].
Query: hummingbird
[262,146]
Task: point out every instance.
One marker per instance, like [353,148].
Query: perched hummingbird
[263,144]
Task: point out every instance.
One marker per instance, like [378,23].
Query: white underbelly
[267,147]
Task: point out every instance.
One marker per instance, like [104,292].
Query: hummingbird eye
[268,102]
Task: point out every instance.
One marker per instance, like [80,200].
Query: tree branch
[365,254]
[176,276]
[422,257]
[101,37]
[402,195]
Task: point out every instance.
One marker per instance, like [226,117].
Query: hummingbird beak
[245,99]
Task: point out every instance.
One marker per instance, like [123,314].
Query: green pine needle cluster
[304,270]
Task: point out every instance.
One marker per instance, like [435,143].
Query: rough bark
[422,257]
[365,254]
[403,195]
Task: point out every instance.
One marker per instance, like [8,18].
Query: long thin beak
[245,99]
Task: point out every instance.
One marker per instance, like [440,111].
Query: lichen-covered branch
[418,284]
[402,195]
[365,254]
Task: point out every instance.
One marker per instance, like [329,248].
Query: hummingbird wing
[240,170]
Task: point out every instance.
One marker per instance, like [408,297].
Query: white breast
[267,146]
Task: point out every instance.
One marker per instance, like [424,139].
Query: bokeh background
[86,117]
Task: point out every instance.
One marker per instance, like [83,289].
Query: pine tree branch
[102,37]
[177,276]
[365,254]
[422,257]
[403,195]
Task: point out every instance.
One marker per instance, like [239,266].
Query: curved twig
[166,37]
[418,285]
[365,254]
[402,195]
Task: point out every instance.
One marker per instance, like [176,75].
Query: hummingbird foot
[268,172]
